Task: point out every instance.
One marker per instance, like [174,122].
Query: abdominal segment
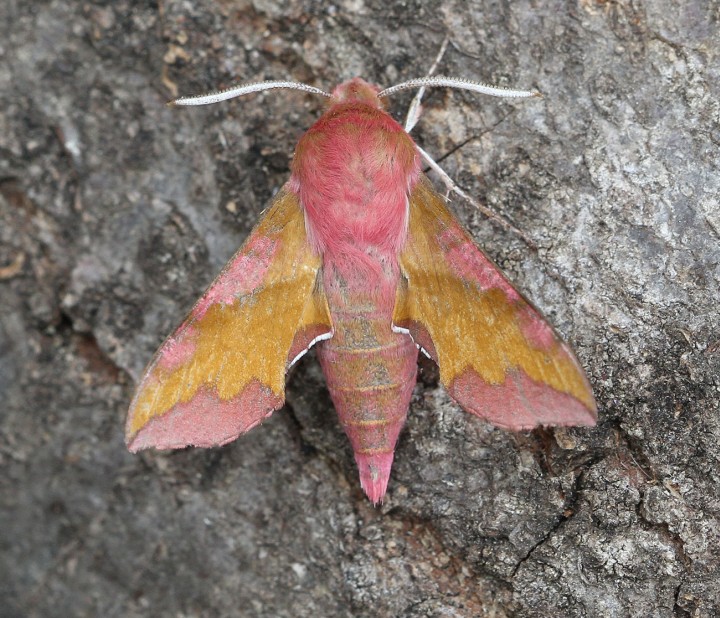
[370,370]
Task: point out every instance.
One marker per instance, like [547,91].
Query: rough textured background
[117,211]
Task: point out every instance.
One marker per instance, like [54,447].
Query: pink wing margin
[498,357]
[223,371]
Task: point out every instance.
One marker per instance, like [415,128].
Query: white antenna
[462,84]
[243,89]
[422,83]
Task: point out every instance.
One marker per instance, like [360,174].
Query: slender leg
[413,115]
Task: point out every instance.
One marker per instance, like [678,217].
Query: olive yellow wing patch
[498,357]
[223,371]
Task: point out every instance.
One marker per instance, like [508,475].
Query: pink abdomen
[370,372]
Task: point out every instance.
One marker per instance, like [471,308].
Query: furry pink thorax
[353,171]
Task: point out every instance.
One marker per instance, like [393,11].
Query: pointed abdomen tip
[374,471]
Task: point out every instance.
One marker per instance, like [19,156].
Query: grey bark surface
[117,211]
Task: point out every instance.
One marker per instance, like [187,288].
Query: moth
[359,256]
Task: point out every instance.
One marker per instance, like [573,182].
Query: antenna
[243,89]
[462,84]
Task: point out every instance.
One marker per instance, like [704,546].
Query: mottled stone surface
[116,211]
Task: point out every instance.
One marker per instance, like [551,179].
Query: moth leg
[415,109]
[413,115]
[452,187]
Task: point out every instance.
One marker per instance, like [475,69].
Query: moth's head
[357,90]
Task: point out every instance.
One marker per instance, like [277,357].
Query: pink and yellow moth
[359,256]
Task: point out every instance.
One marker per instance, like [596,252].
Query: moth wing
[223,370]
[498,357]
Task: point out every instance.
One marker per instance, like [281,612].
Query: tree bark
[117,211]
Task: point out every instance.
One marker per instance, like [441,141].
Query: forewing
[498,357]
[223,371]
